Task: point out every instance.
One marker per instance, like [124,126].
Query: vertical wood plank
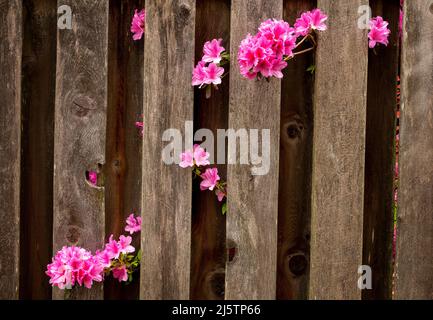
[294,206]
[10,145]
[414,268]
[80,124]
[208,248]
[253,200]
[39,72]
[379,154]
[168,103]
[124,143]
[338,153]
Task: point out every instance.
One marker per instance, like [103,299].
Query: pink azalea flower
[200,156]
[379,32]
[210,179]
[74,265]
[139,125]
[213,74]
[113,248]
[120,273]
[220,195]
[104,258]
[186,159]
[264,53]
[133,224]
[199,74]
[93,178]
[276,67]
[125,244]
[310,20]
[212,51]
[137,24]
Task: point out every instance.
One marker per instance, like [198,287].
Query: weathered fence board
[414,268]
[124,143]
[338,153]
[10,145]
[38,86]
[168,103]
[380,154]
[208,250]
[252,200]
[294,192]
[80,125]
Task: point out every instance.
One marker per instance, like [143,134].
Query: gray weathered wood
[414,265]
[168,103]
[252,200]
[80,123]
[338,153]
[10,145]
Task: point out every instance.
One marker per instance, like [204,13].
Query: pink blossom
[125,244]
[199,74]
[264,53]
[213,74]
[93,177]
[133,224]
[210,179]
[310,20]
[186,159]
[74,265]
[113,248]
[200,156]
[137,24]
[379,32]
[120,273]
[212,51]
[139,125]
[220,195]
[104,258]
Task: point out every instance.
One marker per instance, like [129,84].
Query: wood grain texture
[414,265]
[39,74]
[10,145]
[253,200]
[124,142]
[80,130]
[168,103]
[208,250]
[338,153]
[379,154]
[294,206]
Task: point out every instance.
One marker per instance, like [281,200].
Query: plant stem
[303,51]
[302,40]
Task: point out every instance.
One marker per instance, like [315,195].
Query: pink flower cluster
[208,71]
[76,266]
[379,32]
[137,24]
[265,54]
[196,158]
[133,224]
[93,178]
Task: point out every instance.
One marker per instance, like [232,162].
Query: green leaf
[224,208]
[311,69]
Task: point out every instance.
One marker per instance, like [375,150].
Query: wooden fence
[68,103]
